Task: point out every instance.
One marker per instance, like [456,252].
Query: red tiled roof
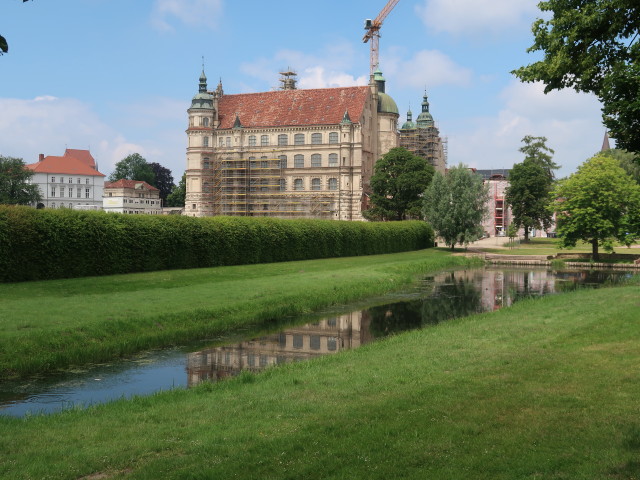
[123,183]
[63,166]
[82,155]
[325,106]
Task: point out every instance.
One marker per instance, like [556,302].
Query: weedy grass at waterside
[54,324]
[545,389]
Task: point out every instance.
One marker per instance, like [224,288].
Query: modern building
[70,181]
[287,153]
[131,197]
[422,138]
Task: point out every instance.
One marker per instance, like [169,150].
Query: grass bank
[545,389]
[54,324]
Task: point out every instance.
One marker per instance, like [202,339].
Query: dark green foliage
[162,180]
[177,196]
[399,180]
[48,244]
[592,46]
[133,167]
[15,188]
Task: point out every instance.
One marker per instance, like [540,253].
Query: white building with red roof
[287,153]
[70,181]
[131,197]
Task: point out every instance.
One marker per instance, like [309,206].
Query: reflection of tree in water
[457,297]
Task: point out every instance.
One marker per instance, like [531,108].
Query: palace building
[288,153]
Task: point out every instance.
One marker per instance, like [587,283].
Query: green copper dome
[386,104]
[409,124]
[202,99]
[425,119]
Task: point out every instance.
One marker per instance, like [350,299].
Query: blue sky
[116,76]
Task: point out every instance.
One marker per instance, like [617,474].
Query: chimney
[41,157]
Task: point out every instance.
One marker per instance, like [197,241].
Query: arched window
[316,138]
[283,161]
[298,139]
[315,184]
[283,184]
[205,122]
[316,160]
[283,139]
[205,141]
[252,140]
[298,161]
[333,159]
[333,137]
[264,140]
[333,184]
[297,184]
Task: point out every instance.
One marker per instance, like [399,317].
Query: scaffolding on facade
[426,143]
[235,185]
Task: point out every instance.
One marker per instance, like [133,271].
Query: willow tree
[456,204]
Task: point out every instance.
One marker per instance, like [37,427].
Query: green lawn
[58,323]
[542,246]
[547,389]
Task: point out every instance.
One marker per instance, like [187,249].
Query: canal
[436,298]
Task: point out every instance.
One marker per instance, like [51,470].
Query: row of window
[298,162]
[53,180]
[283,140]
[316,184]
[87,192]
[264,185]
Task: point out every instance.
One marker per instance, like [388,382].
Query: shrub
[48,244]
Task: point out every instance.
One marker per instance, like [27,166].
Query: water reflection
[441,297]
[436,299]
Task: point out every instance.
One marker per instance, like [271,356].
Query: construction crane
[373,33]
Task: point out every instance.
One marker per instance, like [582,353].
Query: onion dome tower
[425,119]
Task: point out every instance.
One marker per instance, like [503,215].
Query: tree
[456,204]
[4,47]
[177,196]
[593,46]
[163,180]
[133,167]
[530,184]
[628,161]
[598,204]
[399,179]
[536,150]
[15,188]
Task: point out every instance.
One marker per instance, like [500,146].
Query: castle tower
[202,117]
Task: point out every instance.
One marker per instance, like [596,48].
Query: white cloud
[427,68]
[571,122]
[476,16]
[314,71]
[194,13]
[48,125]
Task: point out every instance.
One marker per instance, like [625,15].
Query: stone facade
[131,197]
[288,153]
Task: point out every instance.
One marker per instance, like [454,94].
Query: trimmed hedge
[48,244]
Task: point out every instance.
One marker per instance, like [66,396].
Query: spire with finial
[203,80]
[346,120]
[605,143]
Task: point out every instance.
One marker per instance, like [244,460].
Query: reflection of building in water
[500,288]
[326,336]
